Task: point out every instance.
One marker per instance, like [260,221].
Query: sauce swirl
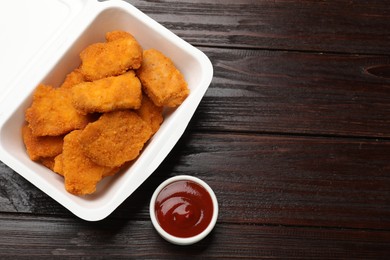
[184,208]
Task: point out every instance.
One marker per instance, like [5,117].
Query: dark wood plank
[45,238]
[329,26]
[293,92]
[293,135]
[260,179]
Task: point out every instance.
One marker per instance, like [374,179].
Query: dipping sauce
[184,208]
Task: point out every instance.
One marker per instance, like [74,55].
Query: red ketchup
[184,208]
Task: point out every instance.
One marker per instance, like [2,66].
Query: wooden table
[293,135]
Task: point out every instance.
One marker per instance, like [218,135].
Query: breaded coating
[39,147]
[161,80]
[150,113]
[104,113]
[111,58]
[57,167]
[80,173]
[48,162]
[113,171]
[115,35]
[52,112]
[115,138]
[108,94]
[72,79]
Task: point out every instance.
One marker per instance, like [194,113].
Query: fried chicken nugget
[39,147]
[111,58]
[72,79]
[48,162]
[80,173]
[150,113]
[115,35]
[52,112]
[115,138]
[58,167]
[161,80]
[108,94]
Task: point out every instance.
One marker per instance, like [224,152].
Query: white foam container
[41,44]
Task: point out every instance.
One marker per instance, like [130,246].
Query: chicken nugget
[48,162]
[108,94]
[72,79]
[39,147]
[161,80]
[52,112]
[80,173]
[57,167]
[115,138]
[111,58]
[150,113]
[115,35]
[113,171]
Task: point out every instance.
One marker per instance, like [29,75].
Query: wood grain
[305,181]
[59,238]
[293,136]
[294,92]
[286,180]
[321,26]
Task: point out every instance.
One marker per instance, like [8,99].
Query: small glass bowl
[183,240]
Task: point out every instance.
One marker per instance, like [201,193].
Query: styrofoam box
[42,42]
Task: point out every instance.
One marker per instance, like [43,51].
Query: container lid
[27,27]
